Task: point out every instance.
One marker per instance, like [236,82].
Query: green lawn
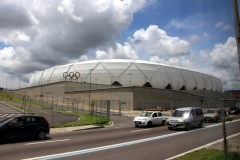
[85,119]
[209,154]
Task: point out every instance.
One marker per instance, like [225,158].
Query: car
[149,118]
[234,110]
[213,115]
[24,126]
[185,118]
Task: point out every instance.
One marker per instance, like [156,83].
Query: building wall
[132,97]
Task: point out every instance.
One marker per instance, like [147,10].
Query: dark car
[234,110]
[24,126]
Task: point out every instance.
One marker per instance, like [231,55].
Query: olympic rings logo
[71,75]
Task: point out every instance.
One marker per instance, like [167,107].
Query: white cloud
[223,25]
[194,38]
[219,24]
[227,27]
[223,63]
[155,41]
[52,32]
[120,52]
[192,22]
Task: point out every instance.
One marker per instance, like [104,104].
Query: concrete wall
[132,97]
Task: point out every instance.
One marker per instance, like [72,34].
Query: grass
[20,101]
[210,154]
[85,119]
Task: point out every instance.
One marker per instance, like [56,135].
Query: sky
[194,34]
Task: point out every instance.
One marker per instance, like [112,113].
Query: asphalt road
[117,142]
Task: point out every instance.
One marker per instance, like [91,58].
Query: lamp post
[96,83]
[111,80]
[6,82]
[19,80]
[90,86]
[130,74]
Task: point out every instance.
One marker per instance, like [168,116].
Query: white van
[186,118]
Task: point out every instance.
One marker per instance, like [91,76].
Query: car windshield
[179,113]
[146,114]
[212,111]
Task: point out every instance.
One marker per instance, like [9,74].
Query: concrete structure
[130,97]
[127,73]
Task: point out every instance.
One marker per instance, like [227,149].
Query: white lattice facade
[129,73]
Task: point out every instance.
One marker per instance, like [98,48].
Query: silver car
[185,118]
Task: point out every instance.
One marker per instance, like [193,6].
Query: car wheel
[169,128]
[187,127]
[136,126]
[163,123]
[149,124]
[201,124]
[41,135]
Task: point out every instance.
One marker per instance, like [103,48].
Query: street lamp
[96,83]
[130,78]
[90,86]
[6,82]
[111,80]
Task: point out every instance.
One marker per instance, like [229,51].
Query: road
[117,142]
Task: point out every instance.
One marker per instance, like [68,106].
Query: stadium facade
[127,73]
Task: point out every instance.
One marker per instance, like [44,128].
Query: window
[154,115]
[159,114]
[192,113]
[197,112]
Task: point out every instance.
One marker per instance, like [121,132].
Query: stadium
[128,73]
[129,84]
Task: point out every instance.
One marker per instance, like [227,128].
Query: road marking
[207,145]
[85,151]
[4,115]
[10,115]
[141,130]
[47,142]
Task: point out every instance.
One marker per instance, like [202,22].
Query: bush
[227,118]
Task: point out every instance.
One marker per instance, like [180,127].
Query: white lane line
[141,130]
[4,115]
[10,115]
[47,142]
[207,145]
[118,145]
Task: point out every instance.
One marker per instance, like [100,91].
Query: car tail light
[45,120]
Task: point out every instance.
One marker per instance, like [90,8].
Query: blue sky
[194,34]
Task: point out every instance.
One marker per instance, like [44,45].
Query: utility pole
[237,28]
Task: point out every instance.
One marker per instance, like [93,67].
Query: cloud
[194,38]
[223,25]
[192,22]
[219,24]
[221,62]
[155,41]
[120,52]
[43,34]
